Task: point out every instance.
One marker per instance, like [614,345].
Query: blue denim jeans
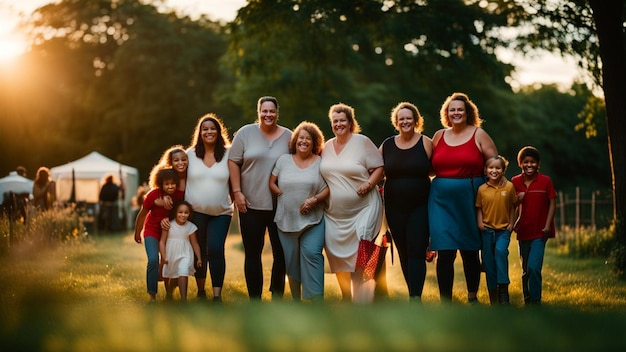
[531,255]
[211,234]
[495,255]
[152,270]
[304,258]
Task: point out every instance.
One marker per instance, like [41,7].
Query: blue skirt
[452,214]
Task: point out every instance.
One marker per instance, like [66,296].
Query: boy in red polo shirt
[535,225]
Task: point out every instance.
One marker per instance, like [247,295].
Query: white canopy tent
[89,173]
[16,184]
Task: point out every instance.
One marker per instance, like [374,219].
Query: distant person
[21,170]
[137,199]
[495,214]
[459,153]
[252,156]
[44,190]
[148,222]
[177,247]
[109,197]
[301,191]
[535,225]
[22,199]
[407,184]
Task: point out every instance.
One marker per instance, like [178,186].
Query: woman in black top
[407,183]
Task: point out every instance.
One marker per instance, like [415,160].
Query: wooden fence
[594,210]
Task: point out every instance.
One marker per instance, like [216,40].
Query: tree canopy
[129,80]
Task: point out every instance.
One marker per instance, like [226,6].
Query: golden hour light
[11,48]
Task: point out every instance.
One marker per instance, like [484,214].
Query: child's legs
[524,252]
[535,265]
[489,257]
[503,239]
[152,270]
[182,287]
[312,261]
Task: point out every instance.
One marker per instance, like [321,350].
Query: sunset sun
[11,47]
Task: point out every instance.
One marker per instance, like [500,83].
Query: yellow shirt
[496,203]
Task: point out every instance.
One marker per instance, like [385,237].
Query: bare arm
[485,144]
[479,219]
[273,186]
[193,238]
[235,183]
[162,244]
[375,176]
[550,217]
[141,218]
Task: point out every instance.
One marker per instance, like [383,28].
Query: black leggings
[445,271]
[253,224]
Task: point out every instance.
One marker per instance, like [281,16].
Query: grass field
[91,297]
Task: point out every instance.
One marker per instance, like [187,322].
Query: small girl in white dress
[177,247]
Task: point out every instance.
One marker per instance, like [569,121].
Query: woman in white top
[207,191]
[254,151]
[301,191]
[351,166]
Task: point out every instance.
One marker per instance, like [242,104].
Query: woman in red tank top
[459,152]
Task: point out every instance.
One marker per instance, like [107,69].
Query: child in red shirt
[149,222]
[535,224]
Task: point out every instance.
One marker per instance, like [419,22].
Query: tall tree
[594,31]
[367,53]
[106,74]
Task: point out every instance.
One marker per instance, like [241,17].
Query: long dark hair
[223,140]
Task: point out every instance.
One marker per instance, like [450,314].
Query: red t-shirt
[459,161]
[152,225]
[535,205]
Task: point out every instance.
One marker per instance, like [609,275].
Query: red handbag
[371,256]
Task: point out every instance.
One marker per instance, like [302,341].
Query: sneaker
[202,294]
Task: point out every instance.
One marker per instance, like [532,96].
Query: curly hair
[471,110]
[316,135]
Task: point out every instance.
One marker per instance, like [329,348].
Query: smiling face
[494,170]
[405,122]
[268,114]
[182,214]
[456,113]
[529,166]
[180,161]
[304,143]
[169,186]
[341,124]
[208,131]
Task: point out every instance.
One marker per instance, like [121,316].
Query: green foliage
[585,242]
[47,229]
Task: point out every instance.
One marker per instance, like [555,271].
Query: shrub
[585,242]
[46,228]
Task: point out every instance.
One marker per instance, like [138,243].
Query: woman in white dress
[351,166]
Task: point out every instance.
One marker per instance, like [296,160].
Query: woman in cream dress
[351,166]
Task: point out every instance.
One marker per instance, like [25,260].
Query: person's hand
[168,202]
[164,261]
[199,263]
[138,238]
[308,205]
[545,232]
[241,202]
[165,224]
[364,189]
